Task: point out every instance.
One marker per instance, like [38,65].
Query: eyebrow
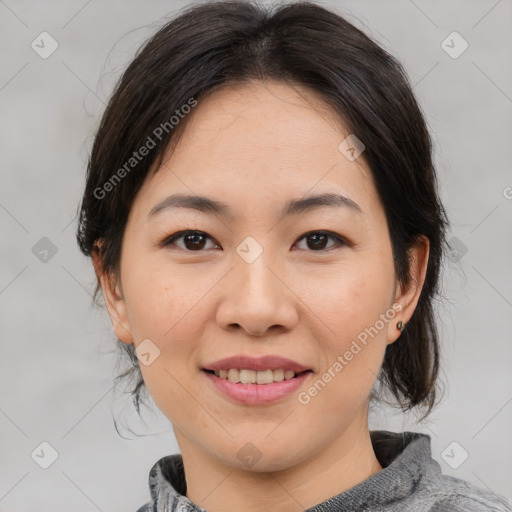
[292,207]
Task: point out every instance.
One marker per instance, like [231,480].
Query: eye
[194,240]
[318,239]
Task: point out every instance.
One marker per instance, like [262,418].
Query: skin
[255,147]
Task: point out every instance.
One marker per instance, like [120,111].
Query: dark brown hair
[213,44]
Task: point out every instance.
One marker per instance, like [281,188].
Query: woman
[262,212]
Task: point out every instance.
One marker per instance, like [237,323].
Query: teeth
[278,375]
[265,377]
[233,375]
[255,377]
[248,376]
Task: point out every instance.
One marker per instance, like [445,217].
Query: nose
[257,298]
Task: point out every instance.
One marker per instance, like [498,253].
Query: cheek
[350,308]
[165,308]
[353,345]
[350,300]
[163,301]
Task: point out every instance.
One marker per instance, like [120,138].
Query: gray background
[57,365]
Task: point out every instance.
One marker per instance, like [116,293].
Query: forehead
[261,142]
[284,120]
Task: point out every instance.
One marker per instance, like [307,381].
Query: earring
[399,326]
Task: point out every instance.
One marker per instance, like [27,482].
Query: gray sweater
[411,480]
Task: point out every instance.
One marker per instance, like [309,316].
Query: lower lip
[255,394]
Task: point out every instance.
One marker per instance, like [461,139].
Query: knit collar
[405,458]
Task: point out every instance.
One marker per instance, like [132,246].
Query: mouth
[256,387]
[253,380]
[260,377]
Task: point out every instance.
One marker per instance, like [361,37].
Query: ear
[409,295]
[114,301]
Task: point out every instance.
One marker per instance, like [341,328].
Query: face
[254,280]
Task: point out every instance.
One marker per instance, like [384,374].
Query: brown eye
[317,240]
[196,241]
[192,240]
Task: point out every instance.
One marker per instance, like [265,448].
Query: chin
[260,456]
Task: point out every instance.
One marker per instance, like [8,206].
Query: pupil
[322,241]
[193,239]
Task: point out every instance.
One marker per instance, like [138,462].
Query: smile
[255,377]
[242,386]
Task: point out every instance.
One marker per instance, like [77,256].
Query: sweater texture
[411,480]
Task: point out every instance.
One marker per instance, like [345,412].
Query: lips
[247,380]
[268,362]
[257,394]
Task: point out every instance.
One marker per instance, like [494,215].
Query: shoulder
[148,507]
[411,480]
[450,494]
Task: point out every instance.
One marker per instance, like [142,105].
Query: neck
[342,464]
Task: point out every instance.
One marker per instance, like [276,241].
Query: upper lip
[268,362]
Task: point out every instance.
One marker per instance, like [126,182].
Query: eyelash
[180,234]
